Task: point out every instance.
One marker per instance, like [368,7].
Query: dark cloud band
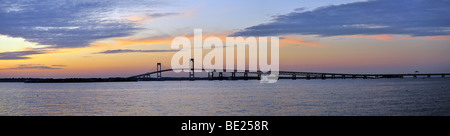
[67,23]
[408,17]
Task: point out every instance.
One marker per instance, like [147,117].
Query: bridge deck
[294,74]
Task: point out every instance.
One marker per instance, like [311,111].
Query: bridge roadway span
[294,75]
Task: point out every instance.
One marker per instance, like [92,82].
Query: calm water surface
[286,97]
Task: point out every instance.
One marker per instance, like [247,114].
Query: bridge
[282,74]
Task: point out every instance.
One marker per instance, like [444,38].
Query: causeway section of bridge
[256,74]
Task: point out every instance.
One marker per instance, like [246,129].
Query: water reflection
[286,97]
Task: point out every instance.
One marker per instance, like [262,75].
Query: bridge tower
[191,73]
[158,70]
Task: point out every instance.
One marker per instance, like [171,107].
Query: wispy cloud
[130,51]
[374,17]
[35,66]
[59,65]
[157,15]
[18,55]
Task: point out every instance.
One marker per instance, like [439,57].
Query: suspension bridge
[248,74]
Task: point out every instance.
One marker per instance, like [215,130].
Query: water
[286,97]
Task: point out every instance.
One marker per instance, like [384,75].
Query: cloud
[382,37]
[34,66]
[67,23]
[59,65]
[146,17]
[157,15]
[18,55]
[373,17]
[130,51]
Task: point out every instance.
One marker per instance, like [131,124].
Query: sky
[99,38]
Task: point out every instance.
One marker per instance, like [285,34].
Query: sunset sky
[99,38]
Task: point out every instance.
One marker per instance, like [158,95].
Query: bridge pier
[233,75]
[365,77]
[210,75]
[323,76]
[259,75]
[308,77]
[443,76]
[294,77]
[333,76]
[191,73]
[220,76]
[158,70]
[428,76]
[245,76]
[414,76]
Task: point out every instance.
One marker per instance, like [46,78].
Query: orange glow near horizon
[292,40]
[297,53]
